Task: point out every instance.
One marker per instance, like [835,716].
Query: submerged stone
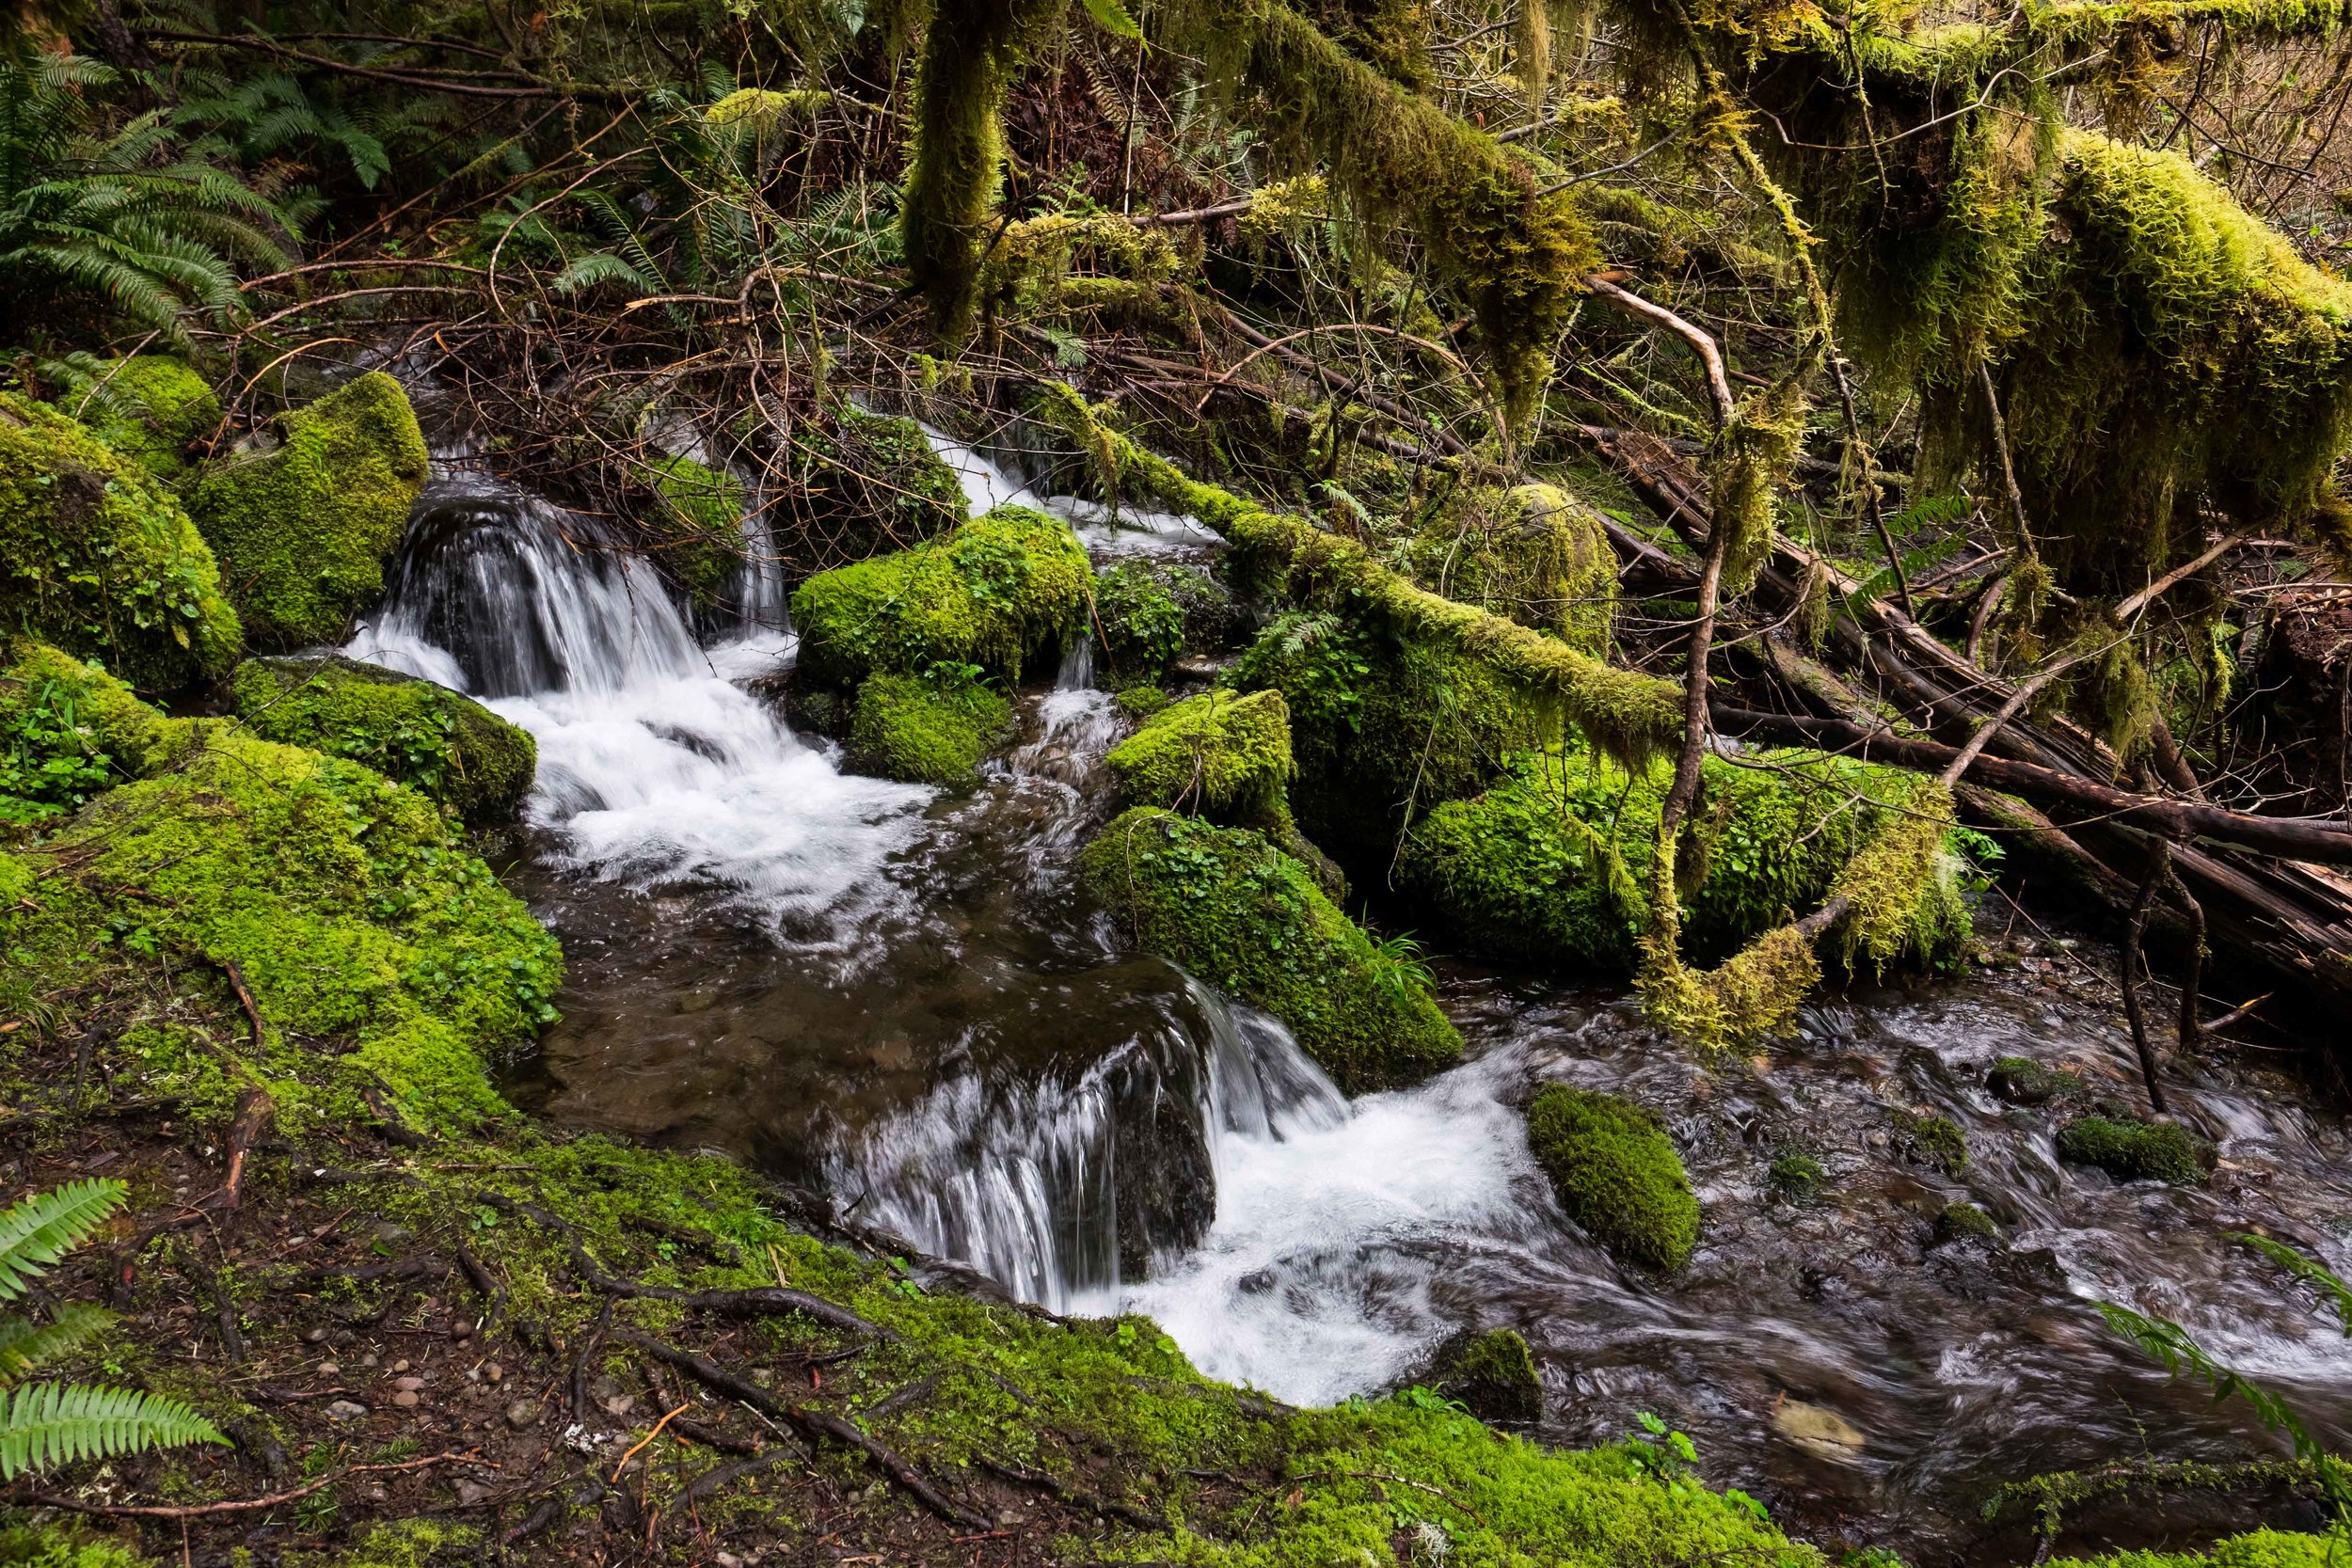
[1616,1174]
[305,528]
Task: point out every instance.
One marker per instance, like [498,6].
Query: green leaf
[39,1231]
[1114,17]
[25,1347]
[52,1424]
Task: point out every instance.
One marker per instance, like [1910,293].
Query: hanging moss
[304,529]
[1232,908]
[1751,995]
[931,728]
[68,732]
[1532,553]
[348,903]
[1027,264]
[451,748]
[763,109]
[698,534]
[1616,1173]
[1746,467]
[98,559]
[152,409]
[994,594]
[1216,756]
[1391,36]
[2134,1150]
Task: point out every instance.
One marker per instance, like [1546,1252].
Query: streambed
[897,998]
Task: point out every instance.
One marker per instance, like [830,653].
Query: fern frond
[25,1346]
[2331,1288]
[56,1423]
[600,266]
[36,1232]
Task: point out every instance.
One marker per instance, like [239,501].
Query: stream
[895,997]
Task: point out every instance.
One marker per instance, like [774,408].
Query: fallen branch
[758,1301]
[248,1505]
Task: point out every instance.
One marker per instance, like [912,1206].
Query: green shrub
[425,736]
[68,729]
[1616,1173]
[994,594]
[1492,1375]
[304,529]
[1216,756]
[2133,1150]
[933,728]
[98,559]
[1238,913]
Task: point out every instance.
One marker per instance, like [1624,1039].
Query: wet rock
[1818,1429]
[406,1399]
[522,1414]
[1492,1373]
[471,1493]
[1964,1222]
[2021,1081]
[345,1410]
[1256,1282]
[2130,1150]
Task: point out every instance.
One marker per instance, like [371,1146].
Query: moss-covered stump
[2133,1150]
[1616,1173]
[1384,731]
[1216,756]
[1552,864]
[303,529]
[98,558]
[427,737]
[1147,614]
[1492,1375]
[933,728]
[152,408]
[868,484]
[348,902]
[698,529]
[994,594]
[1232,908]
[68,731]
[1533,552]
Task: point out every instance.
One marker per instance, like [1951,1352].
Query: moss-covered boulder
[1232,908]
[305,528]
[1147,614]
[2263,1549]
[349,904]
[933,728]
[1616,1173]
[867,482]
[2130,1150]
[1533,552]
[68,732]
[427,737]
[98,559]
[152,409]
[1217,755]
[1492,1375]
[994,594]
[2023,1081]
[1963,1222]
[1552,864]
[698,531]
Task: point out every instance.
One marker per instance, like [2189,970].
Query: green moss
[151,409]
[403,1543]
[425,736]
[2132,1150]
[2261,1549]
[304,529]
[98,559]
[1796,1176]
[1492,1375]
[1964,1222]
[995,593]
[63,1545]
[933,728]
[347,901]
[699,535]
[1217,755]
[1141,701]
[1933,1141]
[1533,553]
[868,484]
[67,731]
[2021,1080]
[1616,1173]
[1240,914]
[1138,624]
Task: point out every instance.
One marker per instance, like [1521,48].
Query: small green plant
[1399,970]
[1796,1176]
[1661,1452]
[49,1424]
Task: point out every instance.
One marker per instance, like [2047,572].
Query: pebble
[328,1369]
[343,1410]
[461,1329]
[406,1399]
[407,1384]
[618,1405]
[369,1359]
[473,1492]
[727,1559]
[401,1366]
[493,1371]
[522,1414]
[315,1335]
[390,1234]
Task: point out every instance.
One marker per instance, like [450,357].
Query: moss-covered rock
[422,734]
[347,901]
[2263,1549]
[1616,1173]
[1492,1375]
[152,409]
[698,532]
[996,592]
[98,559]
[1795,1176]
[1964,1222]
[1934,1142]
[2133,1150]
[303,529]
[1552,865]
[933,728]
[1533,552]
[1216,756]
[68,732]
[1240,914]
[2023,1081]
[1148,613]
[866,483]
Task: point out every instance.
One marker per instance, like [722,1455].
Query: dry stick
[2190,1035]
[2022,544]
[2159,871]
[1702,342]
[248,1505]
[1868,483]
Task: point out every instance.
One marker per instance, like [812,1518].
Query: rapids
[894,997]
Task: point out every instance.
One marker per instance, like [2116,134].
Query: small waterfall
[1077,666]
[1058,1187]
